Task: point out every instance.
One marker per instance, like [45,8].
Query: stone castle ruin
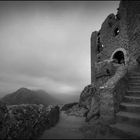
[111,103]
[114,93]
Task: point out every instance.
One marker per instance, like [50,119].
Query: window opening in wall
[100,46]
[116,31]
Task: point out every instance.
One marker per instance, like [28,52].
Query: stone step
[134,80]
[137,87]
[134,77]
[134,74]
[126,130]
[133,93]
[129,107]
[128,118]
[134,88]
[132,99]
[134,84]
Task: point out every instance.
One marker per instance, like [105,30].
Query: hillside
[27,96]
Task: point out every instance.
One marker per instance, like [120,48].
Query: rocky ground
[26,121]
[72,125]
[35,122]
[66,128]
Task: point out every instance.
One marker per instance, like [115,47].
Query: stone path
[67,128]
[72,127]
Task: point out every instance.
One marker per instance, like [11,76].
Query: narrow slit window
[116,31]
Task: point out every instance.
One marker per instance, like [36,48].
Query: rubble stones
[68,106]
[77,111]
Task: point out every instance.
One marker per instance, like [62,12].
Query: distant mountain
[27,96]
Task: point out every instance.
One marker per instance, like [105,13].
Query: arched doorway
[118,57]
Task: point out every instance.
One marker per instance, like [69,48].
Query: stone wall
[104,68]
[111,95]
[133,20]
[108,37]
[26,121]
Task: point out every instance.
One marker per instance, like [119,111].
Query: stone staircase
[128,118]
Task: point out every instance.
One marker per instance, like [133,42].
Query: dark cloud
[47,44]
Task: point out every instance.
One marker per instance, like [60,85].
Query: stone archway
[119,56]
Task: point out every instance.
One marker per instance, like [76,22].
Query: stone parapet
[26,121]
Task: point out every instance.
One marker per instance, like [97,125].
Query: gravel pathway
[66,128]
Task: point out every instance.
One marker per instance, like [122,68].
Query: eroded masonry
[115,60]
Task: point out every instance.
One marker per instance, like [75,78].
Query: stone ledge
[26,121]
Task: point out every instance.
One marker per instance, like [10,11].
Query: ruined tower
[118,38]
[115,53]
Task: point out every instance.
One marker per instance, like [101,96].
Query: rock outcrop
[66,107]
[86,96]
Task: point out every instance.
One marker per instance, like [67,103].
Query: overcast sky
[46,45]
